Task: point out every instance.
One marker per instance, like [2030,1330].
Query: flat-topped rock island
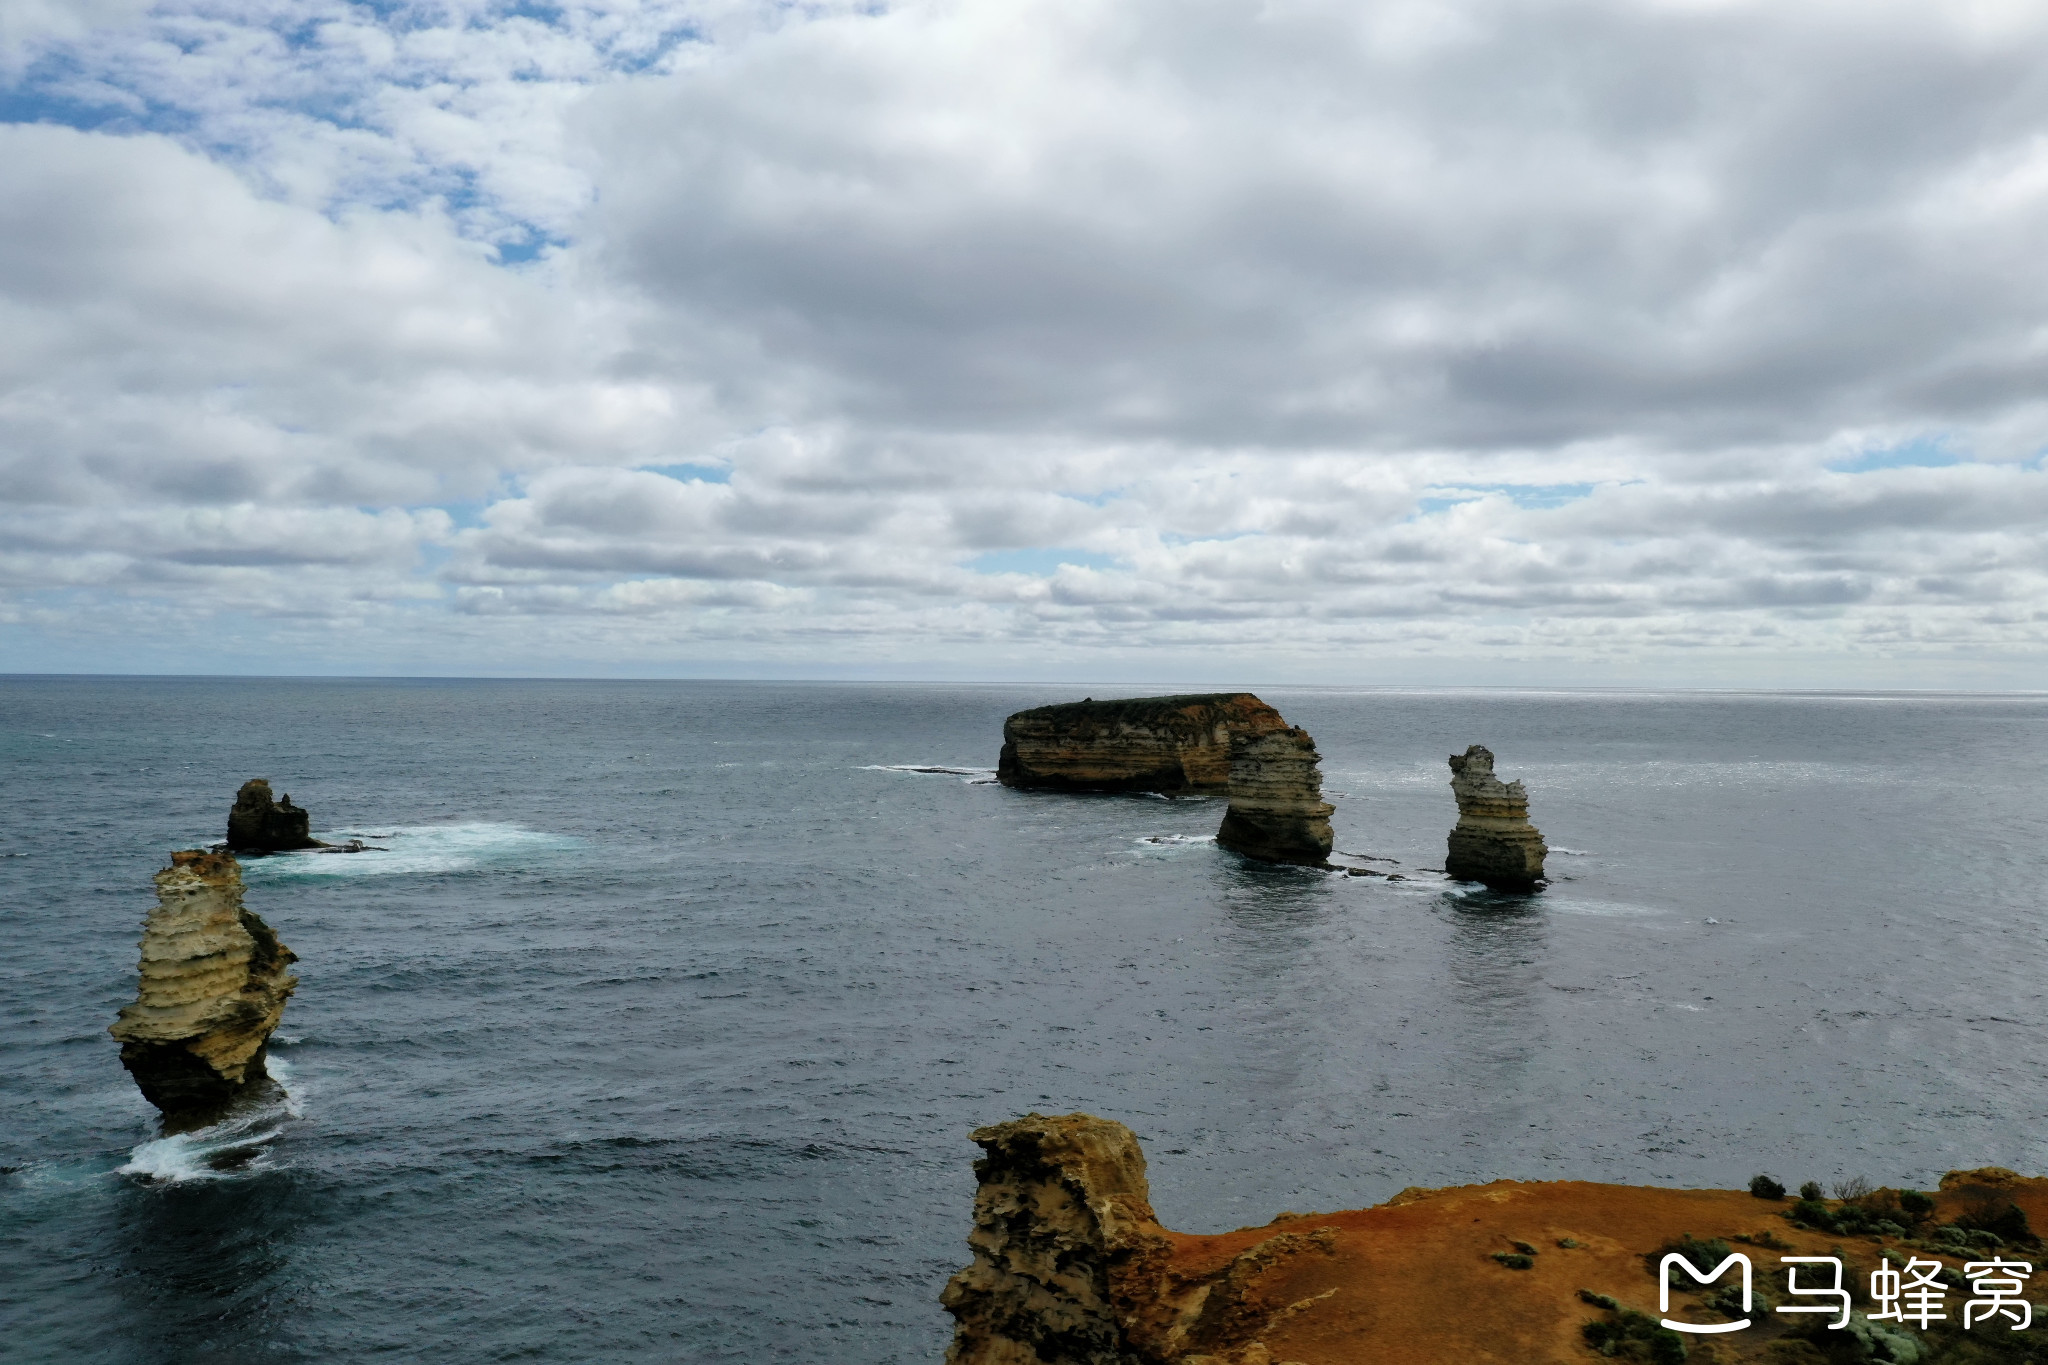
[1172,745]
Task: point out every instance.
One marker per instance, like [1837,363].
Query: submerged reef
[1277,811]
[1071,1267]
[215,980]
[1141,744]
[1493,841]
[258,824]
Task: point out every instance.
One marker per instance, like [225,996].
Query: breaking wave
[238,1145]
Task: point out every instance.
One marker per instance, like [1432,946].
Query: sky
[1481,342]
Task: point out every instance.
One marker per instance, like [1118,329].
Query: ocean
[658,1032]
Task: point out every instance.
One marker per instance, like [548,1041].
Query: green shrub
[1599,1300]
[1812,1213]
[1630,1335]
[1514,1260]
[1991,1212]
[1524,1248]
[1763,1187]
[1915,1205]
[1567,1242]
[1812,1190]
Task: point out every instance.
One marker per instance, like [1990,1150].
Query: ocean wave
[237,1146]
[1178,839]
[415,850]
[936,769]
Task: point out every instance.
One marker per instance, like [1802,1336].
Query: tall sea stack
[1493,841]
[1141,744]
[214,984]
[259,825]
[1277,810]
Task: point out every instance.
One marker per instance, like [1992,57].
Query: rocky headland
[215,980]
[1277,811]
[1173,745]
[1071,1267]
[1493,841]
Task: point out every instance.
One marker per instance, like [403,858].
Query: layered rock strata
[258,824]
[1071,1268]
[214,984]
[1149,744]
[1277,810]
[1493,841]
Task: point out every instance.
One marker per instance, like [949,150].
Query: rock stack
[1062,1215]
[1277,810]
[1493,841]
[1141,744]
[214,984]
[259,825]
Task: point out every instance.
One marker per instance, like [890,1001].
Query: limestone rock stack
[214,984]
[1493,841]
[1062,1220]
[259,825]
[1277,810]
[1152,744]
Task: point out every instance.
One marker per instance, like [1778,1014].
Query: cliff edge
[1140,744]
[1071,1268]
[214,984]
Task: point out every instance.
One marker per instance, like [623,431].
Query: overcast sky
[1623,341]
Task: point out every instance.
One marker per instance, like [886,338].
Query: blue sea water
[658,1031]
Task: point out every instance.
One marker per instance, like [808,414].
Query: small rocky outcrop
[215,980]
[1277,811]
[258,824]
[1173,745]
[1493,841]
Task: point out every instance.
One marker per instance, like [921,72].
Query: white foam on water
[1178,839]
[1569,852]
[237,1146]
[415,850]
[930,769]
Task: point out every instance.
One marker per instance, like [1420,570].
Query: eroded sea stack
[215,980]
[1493,841]
[1140,744]
[1070,1267]
[1277,811]
[258,824]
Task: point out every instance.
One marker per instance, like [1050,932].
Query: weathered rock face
[1071,1268]
[1062,1224]
[1277,810]
[214,983]
[259,825]
[1148,744]
[1493,841]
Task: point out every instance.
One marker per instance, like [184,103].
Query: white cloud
[1310,336]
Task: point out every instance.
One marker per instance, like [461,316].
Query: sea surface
[658,1032]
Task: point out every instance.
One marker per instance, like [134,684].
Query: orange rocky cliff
[214,984]
[1071,1268]
[1148,744]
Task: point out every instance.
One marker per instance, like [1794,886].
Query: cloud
[1303,336]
